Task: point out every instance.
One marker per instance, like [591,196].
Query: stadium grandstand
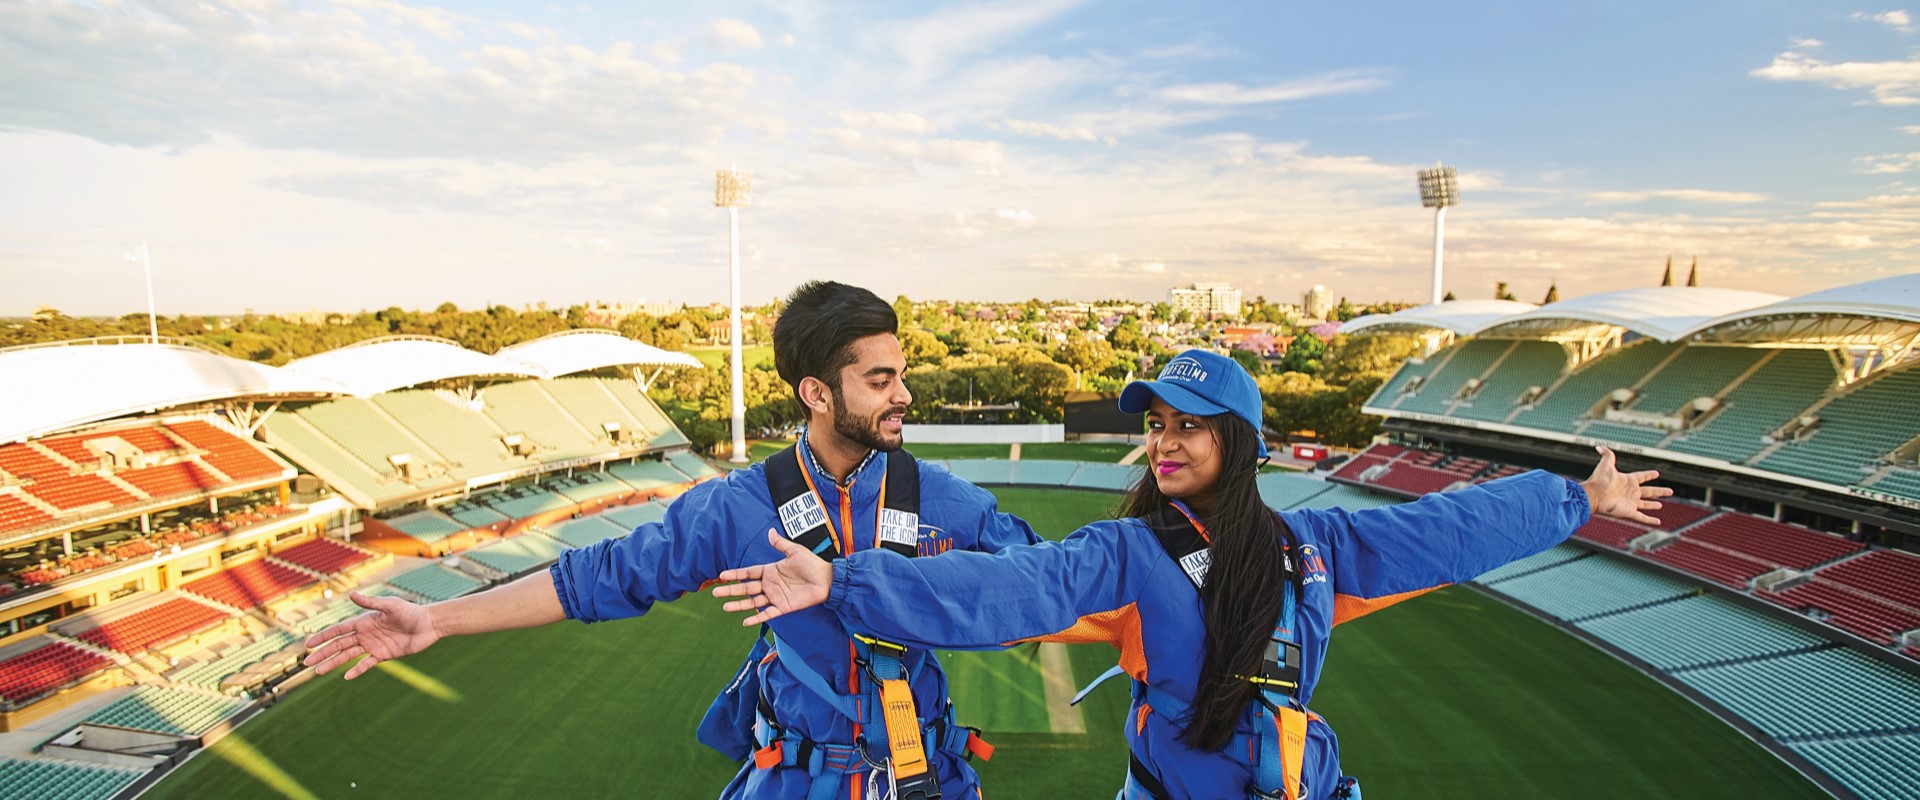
[174,522]
[1787,428]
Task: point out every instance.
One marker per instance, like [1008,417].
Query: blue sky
[363,153]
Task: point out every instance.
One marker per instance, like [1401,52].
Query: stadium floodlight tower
[153,325]
[1439,188]
[731,188]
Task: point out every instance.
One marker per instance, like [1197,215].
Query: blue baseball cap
[1203,384]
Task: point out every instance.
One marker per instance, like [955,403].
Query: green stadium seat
[586,531]
[1698,631]
[1788,384]
[1530,364]
[436,583]
[1857,429]
[1580,589]
[1562,407]
[518,554]
[1469,361]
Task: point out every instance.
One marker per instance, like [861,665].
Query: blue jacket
[1113,582]
[722,524]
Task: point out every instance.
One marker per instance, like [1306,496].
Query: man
[837,346]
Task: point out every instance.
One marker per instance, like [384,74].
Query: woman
[1224,635]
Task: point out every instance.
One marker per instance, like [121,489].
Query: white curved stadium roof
[1896,298]
[573,351]
[63,385]
[1459,316]
[395,362]
[1665,313]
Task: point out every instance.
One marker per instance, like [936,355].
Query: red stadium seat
[1868,617]
[162,623]
[1715,565]
[250,584]
[45,669]
[322,556]
[1771,542]
[1887,574]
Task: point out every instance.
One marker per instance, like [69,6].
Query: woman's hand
[1613,493]
[800,580]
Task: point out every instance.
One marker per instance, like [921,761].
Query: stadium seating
[1858,427]
[467,438]
[1874,767]
[230,454]
[1552,556]
[1530,364]
[435,583]
[68,492]
[44,669]
[1677,514]
[1609,532]
[163,710]
[1902,482]
[1698,631]
[692,466]
[1590,587]
[359,426]
[292,433]
[585,531]
[1714,564]
[521,502]
[589,401]
[1771,542]
[74,448]
[630,517]
[309,619]
[169,480]
[1828,691]
[17,513]
[516,555]
[663,431]
[22,461]
[251,584]
[1469,361]
[645,475]
[62,780]
[322,556]
[1760,405]
[524,407]
[1563,406]
[278,645]
[432,526]
[472,513]
[1283,490]
[1359,464]
[149,627]
[1412,480]
[1862,615]
[581,487]
[986,472]
[1889,574]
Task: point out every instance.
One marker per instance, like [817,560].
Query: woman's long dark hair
[1242,596]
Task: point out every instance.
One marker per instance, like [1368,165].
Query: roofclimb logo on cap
[1184,369]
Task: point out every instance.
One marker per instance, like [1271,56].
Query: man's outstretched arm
[393,627]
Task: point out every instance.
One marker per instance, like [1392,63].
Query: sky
[359,154]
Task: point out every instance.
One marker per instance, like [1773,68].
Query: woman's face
[1185,458]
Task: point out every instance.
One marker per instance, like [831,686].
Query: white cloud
[1708,196]
[1888,163]
[668,51]
[1896,19]
[930,44]
[731,35]
[1052,131]
[888,121]
[598,245]
[1341,82]
[1910,129]
[787,40]
[1892,83]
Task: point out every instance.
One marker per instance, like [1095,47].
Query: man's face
[871,402]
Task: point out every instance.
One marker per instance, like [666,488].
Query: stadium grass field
[1452,695]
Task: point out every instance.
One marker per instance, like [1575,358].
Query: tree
[1304,355]
[1250,360]
[921,347]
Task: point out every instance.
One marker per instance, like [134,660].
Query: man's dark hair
[815,333]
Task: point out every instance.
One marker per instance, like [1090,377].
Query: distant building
[1206,300]
[1317,302]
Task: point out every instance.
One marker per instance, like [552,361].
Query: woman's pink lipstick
[1169,467]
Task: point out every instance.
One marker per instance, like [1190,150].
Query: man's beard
[864,431]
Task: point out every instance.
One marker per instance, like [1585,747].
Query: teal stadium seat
[435,583]
[1469,361]
[1557,554]
[62,780]
[469,439]
[165,710]
[630,517]
[430,526]
[647,475]
[586,531]
[1043,473]
[524,407]
[1823,692]
[584,486]
[983,471]
[1530,364]
[1698,631]
[516,555]
[1787,385]
[1903,482]
[692,466]
[1563,406]
[1587,587]
[1857,428]
[589,401]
